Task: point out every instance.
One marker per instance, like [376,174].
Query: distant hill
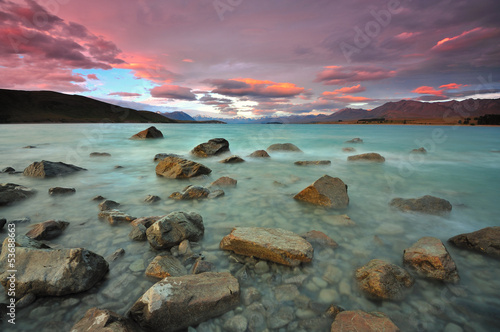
[178,116]
[53,107]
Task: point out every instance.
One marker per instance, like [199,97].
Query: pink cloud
[349,99]
[124,94]
[452,86]
[188,60]
[336,75]
[239,87]
[427,90]
[173,92]
[466,40]
[345,90]
[92,77]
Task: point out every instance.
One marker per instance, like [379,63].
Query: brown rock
[314,162]
[174,228]
[151,132]
[224,182]
[425,204]
[10,193]
[191,192]
[375,157]
[179,168]
[419,150]
[165,266]
[272,244]
[201,266]
[150,199]
[115,217]
[232,160]
[100,154]
[61,191]
[320,238]
[283,147]
[348,149]
[349,321]
[326,191]
[430,259]
[47,230]
[380,280]
[47,169]
[108,205]
[97,320]
[485,241]
[161,156]
[213,147]
[216,194]
[176,303]
[259,154]
[146,221]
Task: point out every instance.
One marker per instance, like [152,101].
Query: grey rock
[372,156]
[138,233]
[47,169]
[281,318]
[216,193]
[10,193]
[8,170]
[151,132]
[237,323]
[172,229]
[98,198]
[232,160]
[61,191]
[103,320]
[115,217]
[312,163]
[201,266]
[165,266]
[115,255]
[250,295]
[108,205]
[283,147]
[99,154]
[26,301]
[191,192]
[150,199]
[425,204]
[259,154]
[47,230]
[213,147]
[161,156]
[485,241]
[355,140]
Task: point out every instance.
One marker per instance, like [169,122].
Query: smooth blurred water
[460,166]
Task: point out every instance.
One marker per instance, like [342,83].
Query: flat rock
[176,303]
[103,320]
[425,204]
[99,154]
[151,132]
[372,156]
[232,160]
[54,272]
[312,162]
[47,230]
[47,169]
[272,244]
[283,147]
[179,168]
[191,192]
[259,154]
[165,266]
[429,258]
[61,191]
[380,280]
[115,217]
[108,205]
[161,156]
[357,320]
[224,182]
[10,193]
[213,147]
[355,140]
[201,266]
[216,193]
[172,229]
[320,238]
[326,191]
[485,241]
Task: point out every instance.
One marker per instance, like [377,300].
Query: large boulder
[10,193]
[259,154]
[357,320]
[380,280]
[176,303]
[179,168]
[326,191]
[53,272]
[272,244]
[283,147]
[429,258]
[425,204]
[151,132]
[372,156]
[103,320]
[213,147]
[312,162]
[47,169]
[485,241]
[47,230]
[175,227]
[191,192]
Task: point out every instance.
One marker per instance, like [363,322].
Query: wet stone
[286,292]
[238,323]
[250,295]
[281,318]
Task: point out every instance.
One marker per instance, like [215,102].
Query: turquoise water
[460,166]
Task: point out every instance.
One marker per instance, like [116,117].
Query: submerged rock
[176,303]
[419,150]
[172,229]
[46,169]
[213,147]
[99,154]
[485,241]
[216,193]
[108,205]
[357,320]
[320,238]
[179,168]
[104,320]
[425,204]
[115,217]
[161,156]
[224,182]
[430,259]
[191,192]
[151,132]
[283,147]
[326,191]
[8,170]
[355,140]
[10,193]
[272,244]
[314,162]
[47,230]
[349,149]
[165,266]
[259,154]
[54,272]
[150,199]
[380,280]
[372,156]
[61,191]
[232,160]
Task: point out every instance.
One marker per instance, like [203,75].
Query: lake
[462,166]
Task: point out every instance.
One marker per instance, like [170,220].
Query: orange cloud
[428,90]
[350,99]
[466,39]
[239,87]
[188,60]
[452,86]
[345,90]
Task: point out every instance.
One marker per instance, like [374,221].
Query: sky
[252,58]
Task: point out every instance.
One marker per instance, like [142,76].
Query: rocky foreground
[188,289]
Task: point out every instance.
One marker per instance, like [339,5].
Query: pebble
[328,296]
[237,323]
[304,313]
[261,267]
[344,287]
[450,327]
[280,319]
[332,274]
[319,282]
[137,266]
[250,295]
[286,292]
[312,287]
